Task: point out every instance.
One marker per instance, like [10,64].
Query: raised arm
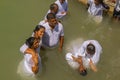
[79,60]
[92,66]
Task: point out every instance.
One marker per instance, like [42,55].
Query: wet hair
[52,6]
[83,73]
[38,27]
[29,42]
[90,49]
[51,16]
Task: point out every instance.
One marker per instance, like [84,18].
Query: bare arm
[92,66]
[61,43]
[29,51]
[35,68]
[79,60]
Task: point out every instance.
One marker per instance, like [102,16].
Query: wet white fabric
[24,47]
[118,5]
[62,8]
[71,62]
[98,50]
[28,63]
[25,66]
[95,10]
[82,52]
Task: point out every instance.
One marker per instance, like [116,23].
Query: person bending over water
[87,56]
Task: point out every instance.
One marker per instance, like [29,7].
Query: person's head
[51,18]
[90,49]
[54,8]
[83,73]
[39,31]
[97,2]
[62,1]
[32,42]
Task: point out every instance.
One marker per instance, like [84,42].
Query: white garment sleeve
[81,51]
[60,15]
[23,48]
[28,59]
[96,57]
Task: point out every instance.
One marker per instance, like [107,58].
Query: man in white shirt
[63,8]
[54,33]
[87,56]
[95,9]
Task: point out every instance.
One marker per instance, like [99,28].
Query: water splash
[73,45]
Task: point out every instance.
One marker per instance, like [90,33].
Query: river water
[18,19]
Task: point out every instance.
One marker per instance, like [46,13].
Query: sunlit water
[18,19]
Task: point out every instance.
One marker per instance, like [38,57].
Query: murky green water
[17,20]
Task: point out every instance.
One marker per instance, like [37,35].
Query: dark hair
[83,73]
[51,16]
[52,6]
[90,49]
[29,42]
[38,27]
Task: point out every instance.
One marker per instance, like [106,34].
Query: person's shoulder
[46,24]
[60,25]
[23,48]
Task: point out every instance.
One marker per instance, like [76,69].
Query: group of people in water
[49,33]
[96,8]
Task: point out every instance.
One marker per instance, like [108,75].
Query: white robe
[82,52]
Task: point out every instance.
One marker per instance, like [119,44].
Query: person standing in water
[62,8]
[95,9]
[87,56]
[54,33]
[116,13]
[31,50]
